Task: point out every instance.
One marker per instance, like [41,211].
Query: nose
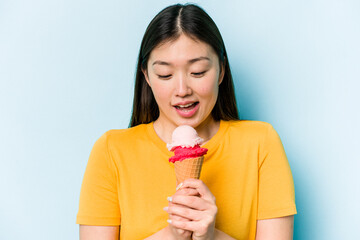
[182,86]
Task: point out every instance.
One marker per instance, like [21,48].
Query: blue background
[67,76]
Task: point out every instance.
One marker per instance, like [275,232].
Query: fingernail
[169,221]
[179,186]
[166,209]
[169,199]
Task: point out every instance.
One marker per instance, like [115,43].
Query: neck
[208,129]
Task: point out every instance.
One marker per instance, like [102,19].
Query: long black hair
[168,25]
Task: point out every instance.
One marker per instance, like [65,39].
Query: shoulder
[251,132]
[249,128]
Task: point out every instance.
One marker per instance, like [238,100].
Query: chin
[191,122]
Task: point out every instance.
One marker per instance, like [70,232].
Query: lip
[188,113]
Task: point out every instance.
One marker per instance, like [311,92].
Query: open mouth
[187,107]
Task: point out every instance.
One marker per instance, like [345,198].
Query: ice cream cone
[188,168]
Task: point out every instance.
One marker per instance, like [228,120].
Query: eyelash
[197,74]
[164,77]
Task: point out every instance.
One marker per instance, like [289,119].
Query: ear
[144,71]
[222,72]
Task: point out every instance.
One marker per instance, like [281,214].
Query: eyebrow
[190,61]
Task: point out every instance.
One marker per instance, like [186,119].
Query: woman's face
[184,76]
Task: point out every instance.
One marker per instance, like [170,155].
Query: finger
[181,225]
[179,211]
[177,217]
[190,202]
[187,192]
[193,213]
[174,216]
[180,231]
[200,186]
[193,226]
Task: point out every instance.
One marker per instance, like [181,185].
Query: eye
[198,74]
[164,76]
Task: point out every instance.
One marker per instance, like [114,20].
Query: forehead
[182,49]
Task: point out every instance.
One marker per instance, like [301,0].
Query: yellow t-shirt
[128,179]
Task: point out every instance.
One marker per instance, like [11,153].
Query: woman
[183,77]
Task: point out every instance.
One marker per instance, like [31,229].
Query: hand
[197,210]
[179,233]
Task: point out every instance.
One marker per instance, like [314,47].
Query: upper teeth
[187,105]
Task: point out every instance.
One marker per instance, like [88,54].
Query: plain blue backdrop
[67,76]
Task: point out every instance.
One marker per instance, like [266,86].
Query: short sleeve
[276,186]
[99,203]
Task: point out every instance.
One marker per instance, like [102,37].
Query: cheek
[209,85]
[160,92]
[208,89]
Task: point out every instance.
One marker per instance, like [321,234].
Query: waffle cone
[188,168]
